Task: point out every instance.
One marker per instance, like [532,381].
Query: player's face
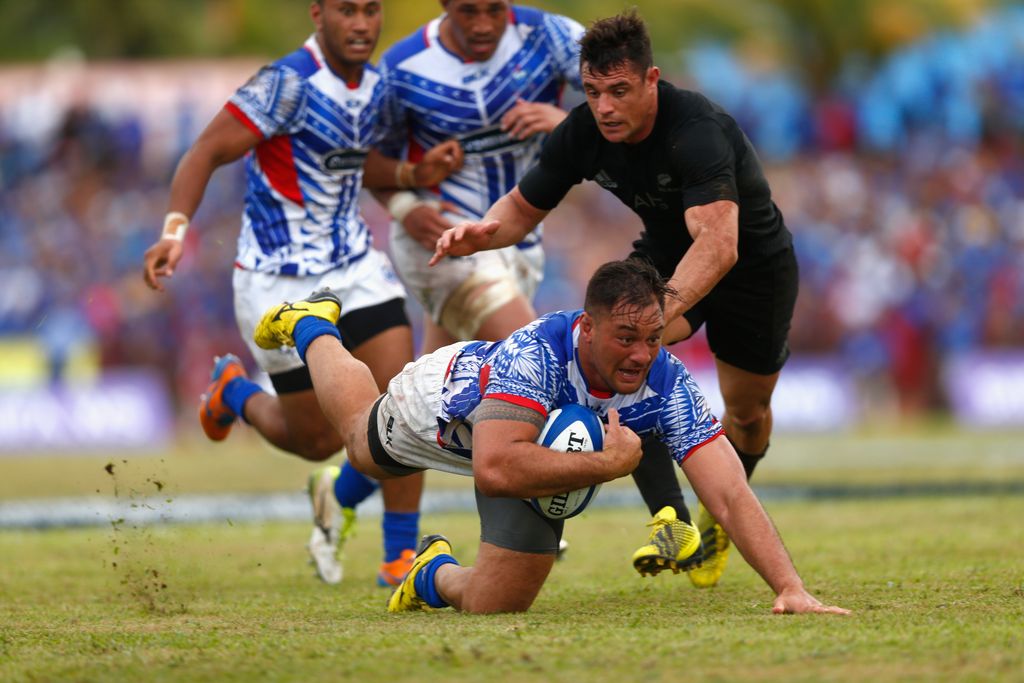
[624,101]
[348,31]
[475,27]
[618,347]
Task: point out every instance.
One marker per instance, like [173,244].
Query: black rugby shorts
[749,312]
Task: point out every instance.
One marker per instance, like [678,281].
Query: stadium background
[891,132]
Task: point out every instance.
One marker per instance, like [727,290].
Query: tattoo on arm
[495,409]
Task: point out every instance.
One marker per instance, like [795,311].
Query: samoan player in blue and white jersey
[306,123]
[538,367]
[490,75]
[477,409]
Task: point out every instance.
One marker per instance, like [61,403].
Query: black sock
[656,478]
[749,460]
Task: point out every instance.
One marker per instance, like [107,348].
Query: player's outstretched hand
[426,222]
[799,601]
[464,239]
[622,446]
[438,163]
[526,119]
[159,261]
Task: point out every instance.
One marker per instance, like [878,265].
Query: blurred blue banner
[986,389]
[814,394]
[123,410]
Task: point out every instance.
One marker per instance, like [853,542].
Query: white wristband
[401,203]
[175,226]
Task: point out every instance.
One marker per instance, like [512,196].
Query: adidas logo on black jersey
[605,181]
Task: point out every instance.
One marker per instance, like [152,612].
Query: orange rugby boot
[214,415]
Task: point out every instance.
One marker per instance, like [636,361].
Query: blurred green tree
[813,37]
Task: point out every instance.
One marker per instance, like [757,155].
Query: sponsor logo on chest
[475,75]
[342,160]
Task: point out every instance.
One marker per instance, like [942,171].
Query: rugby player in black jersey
[682,164]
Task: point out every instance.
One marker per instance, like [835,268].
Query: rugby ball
[570,429]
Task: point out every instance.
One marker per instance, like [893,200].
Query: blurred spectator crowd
[903,186]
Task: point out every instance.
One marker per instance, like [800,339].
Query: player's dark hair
[621,40]
[633,282]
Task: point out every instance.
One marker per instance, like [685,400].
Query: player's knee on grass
[518,547]
[505,580]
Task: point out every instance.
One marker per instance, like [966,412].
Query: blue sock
[352,487]
[424,581]
[308,329]
[237,392]
[400,532]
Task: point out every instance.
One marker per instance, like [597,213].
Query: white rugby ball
[570,429]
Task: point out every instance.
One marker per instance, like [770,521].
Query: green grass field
[936,586]
[936,583]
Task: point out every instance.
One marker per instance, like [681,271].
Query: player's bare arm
[423,217]
[506,223]
[508,463]
[715,231]
[717,477]
[224,140]
[439,162]
[526,119]
[420,216]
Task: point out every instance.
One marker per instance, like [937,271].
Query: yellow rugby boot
[405,598]
[673,544]
[716,551]
[277,326]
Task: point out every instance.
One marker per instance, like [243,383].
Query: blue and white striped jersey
[538,367]
[433,96]
[303,179]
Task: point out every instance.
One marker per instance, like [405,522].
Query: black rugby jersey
[696,154]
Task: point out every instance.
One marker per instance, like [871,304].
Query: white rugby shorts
[433,286]
[407,415]
[368,282]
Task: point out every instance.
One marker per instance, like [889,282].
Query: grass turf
[927,453]
[937,585]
